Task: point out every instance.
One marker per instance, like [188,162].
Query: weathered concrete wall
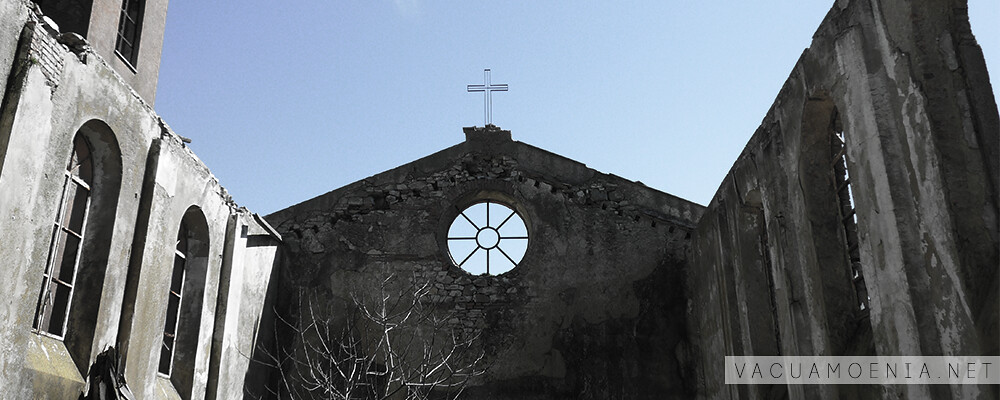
[146,180]
[252,251]
[223,288]
[907,84]
[593,310]
[181,187]
[14,17]
[44,108]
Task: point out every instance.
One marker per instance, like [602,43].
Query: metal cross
[488,88]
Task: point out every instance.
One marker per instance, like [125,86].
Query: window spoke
[470,221]
[512,213]
[508,257]
[469,256]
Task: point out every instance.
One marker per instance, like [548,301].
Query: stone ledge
[165,389]
[52,369]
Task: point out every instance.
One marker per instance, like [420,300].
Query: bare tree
[387,344]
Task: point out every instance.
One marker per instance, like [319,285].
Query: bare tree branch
[387,344]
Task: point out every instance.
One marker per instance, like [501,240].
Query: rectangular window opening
[129,30]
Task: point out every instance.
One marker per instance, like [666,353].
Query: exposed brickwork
[47,51]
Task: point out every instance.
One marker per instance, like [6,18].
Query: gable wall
[594,309]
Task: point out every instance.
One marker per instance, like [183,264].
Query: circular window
[487,238]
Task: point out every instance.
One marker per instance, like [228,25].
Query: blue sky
[289,100]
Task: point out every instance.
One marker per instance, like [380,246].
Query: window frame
[181,256]
[61,229]
[130,57]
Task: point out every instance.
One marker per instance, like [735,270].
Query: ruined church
[860,219]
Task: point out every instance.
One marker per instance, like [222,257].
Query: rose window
[487,238]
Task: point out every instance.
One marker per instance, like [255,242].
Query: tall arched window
[185,299]
[68,232]
[69,300]
[831,248]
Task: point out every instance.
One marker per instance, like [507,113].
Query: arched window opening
[848,214]
[59,278]
[83,225]
[185,299]
[832,243]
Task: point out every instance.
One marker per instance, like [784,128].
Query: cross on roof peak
[487,88]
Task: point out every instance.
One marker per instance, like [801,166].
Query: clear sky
[289,100]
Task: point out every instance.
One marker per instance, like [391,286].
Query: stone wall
[593,310]
[906,84]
